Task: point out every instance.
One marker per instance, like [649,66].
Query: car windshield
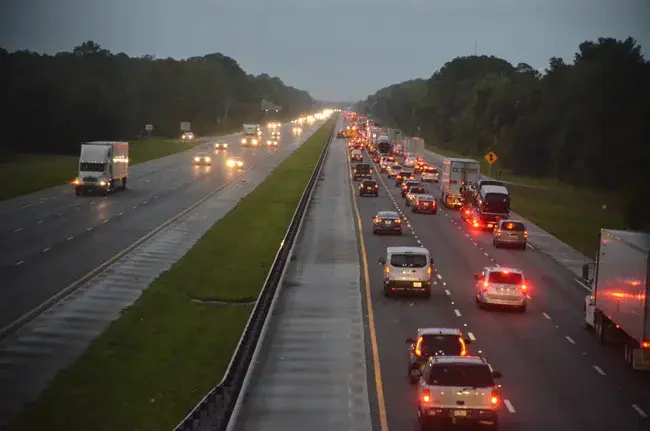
[449,345]
[368,183]
[460,375]
[201,155]
[503,277]
[417,190]
[513,226]
[408,260]
[91,167]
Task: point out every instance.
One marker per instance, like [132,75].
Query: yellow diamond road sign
[491,157]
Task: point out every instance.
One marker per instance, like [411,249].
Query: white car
[393,170]
[501,286]
[410,162]
[430,174]
[221,145]
[187,137]
[235,162]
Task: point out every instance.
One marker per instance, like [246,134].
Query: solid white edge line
[639,411]
[569,339]
[509,406]
[584,286]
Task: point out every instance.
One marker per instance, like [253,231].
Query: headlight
[102,183]
[254,141]
[240,163]
[243,141]
[207,159]
[196,159]
[225,145]
[230,163]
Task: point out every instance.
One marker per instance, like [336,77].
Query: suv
[356,154]
[368,187]
[510,232]
[362,170]
[414,191]
[407,270]
[433,342]
[406,186]
[501,286]
[458,389]
[393,170]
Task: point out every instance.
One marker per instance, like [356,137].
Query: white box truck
[414,147]
[619,305]
[455,174]
[103,167]
[252,135]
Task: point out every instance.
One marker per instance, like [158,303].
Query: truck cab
[252,133]
[103,167]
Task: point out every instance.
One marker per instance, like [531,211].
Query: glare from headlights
[243,141]
[254,141]
[102,183]
[240,163]
[230,163]
[196,159]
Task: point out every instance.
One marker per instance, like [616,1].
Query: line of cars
[453,386]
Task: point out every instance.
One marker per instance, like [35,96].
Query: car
[187,137]
[430,173]
[387,222]
[404,175]
[430,342]
[410,162]
[496,285]
[510,233]
[356,155]
[362,170]
[272,142]
[235,162]
[458,390]
[466,212]
[412,193]
[425,204]
[419,167]
[375,157]
[297,130]
[368,188]
[406,186]
[407,270]
[384,161]
[202,159]
[221,145]
[393,170]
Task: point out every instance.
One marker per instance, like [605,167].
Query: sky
[336,50]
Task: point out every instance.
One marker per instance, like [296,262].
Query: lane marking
[584,286]
[471,336]
[447,292]
[569,339]
[486,254]
[89,229]
[509,406]
[70,238]
[600,370]
[46,249]
[18,230]
[457,312]
[20,262]
[381,404]
[546,315]
[120,214]
[106,221]
[39,222]
[639,411]
[135,207]
[439,276]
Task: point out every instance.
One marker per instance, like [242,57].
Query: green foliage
[52,103]
[585,124]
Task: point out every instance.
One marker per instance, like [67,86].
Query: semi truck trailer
[103,167]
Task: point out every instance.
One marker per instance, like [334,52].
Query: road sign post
[491,158]
[149,129]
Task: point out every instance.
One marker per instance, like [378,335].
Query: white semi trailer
[103,167]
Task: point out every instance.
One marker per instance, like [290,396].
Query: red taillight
[498,232]
[398,221]
[475,224]
[494,399]
[377,220]
[463,348]
[426,397]
[524,287]
[485,286]
[645,345]
[418,345]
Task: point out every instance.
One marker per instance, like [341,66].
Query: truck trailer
[618,308]
[103,167]
[456,174]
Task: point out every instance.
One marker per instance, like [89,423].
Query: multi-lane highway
[51,241]
[556,375]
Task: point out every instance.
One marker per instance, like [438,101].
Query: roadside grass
[573,215]
[29,173]
[151,366]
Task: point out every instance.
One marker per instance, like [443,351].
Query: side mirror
[381,261]
[467,341]
[410,341]
[496,374]
[478,276]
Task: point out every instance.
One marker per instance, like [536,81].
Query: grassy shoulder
[32,172]
[156,362]
[573,215]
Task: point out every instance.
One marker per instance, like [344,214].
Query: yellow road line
[381,405]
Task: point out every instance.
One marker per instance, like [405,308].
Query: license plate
[369,188]
[387,223]
[425,204]
[460,413]
[417,284]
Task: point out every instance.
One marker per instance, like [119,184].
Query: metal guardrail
[213,412]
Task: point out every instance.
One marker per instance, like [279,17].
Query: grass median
[157,361]
[573,215]
[29,173]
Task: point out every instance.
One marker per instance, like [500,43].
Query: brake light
[426,396]
[475,224]
[524,287]
[398,221]
[418,346]
[387,269]
[377,220]
[494,399]
[499,232]
[463,348]
[645,345]
[429,270]
[485,286]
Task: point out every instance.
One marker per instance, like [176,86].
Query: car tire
[427,294]
[523,247]
[495,243]
[387,292]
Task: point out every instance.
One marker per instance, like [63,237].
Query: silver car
[496,285]
[510,233]
[458,390]
[393,170]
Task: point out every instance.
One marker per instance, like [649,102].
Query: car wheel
[495,243]
[387,292]
[523,247]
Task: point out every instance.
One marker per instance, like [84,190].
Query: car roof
[368,181]
[202,153]
[388,214]
[511,221]
[503,268]
[425,197]
[469,360]
[439,331]
[406,250]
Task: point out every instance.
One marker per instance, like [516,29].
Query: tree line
[585,123]
[51,103]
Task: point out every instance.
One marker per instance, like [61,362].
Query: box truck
[456,174]
[103,167]
[618,308]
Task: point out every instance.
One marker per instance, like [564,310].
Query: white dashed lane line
[457,312]
[546,316]
[20,262]
[569,339]
[70,238]
[639,411]
[447,292]
[46,249]
[599,370]
[18,229]
[509,406]
[471,336]
[39,222]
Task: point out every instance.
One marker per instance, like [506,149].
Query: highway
[556,375]
[50,241]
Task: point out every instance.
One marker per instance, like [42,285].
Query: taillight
[524,287]
[429,270]
[398,221]
[376,186]
[645,345]
[418,345]
[387,269]
[485,286]
[426,396]
[377,220]
[463,348]
[494,399]
[499,232]
[525,234]
[475,224]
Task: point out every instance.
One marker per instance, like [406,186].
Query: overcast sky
[335,49]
